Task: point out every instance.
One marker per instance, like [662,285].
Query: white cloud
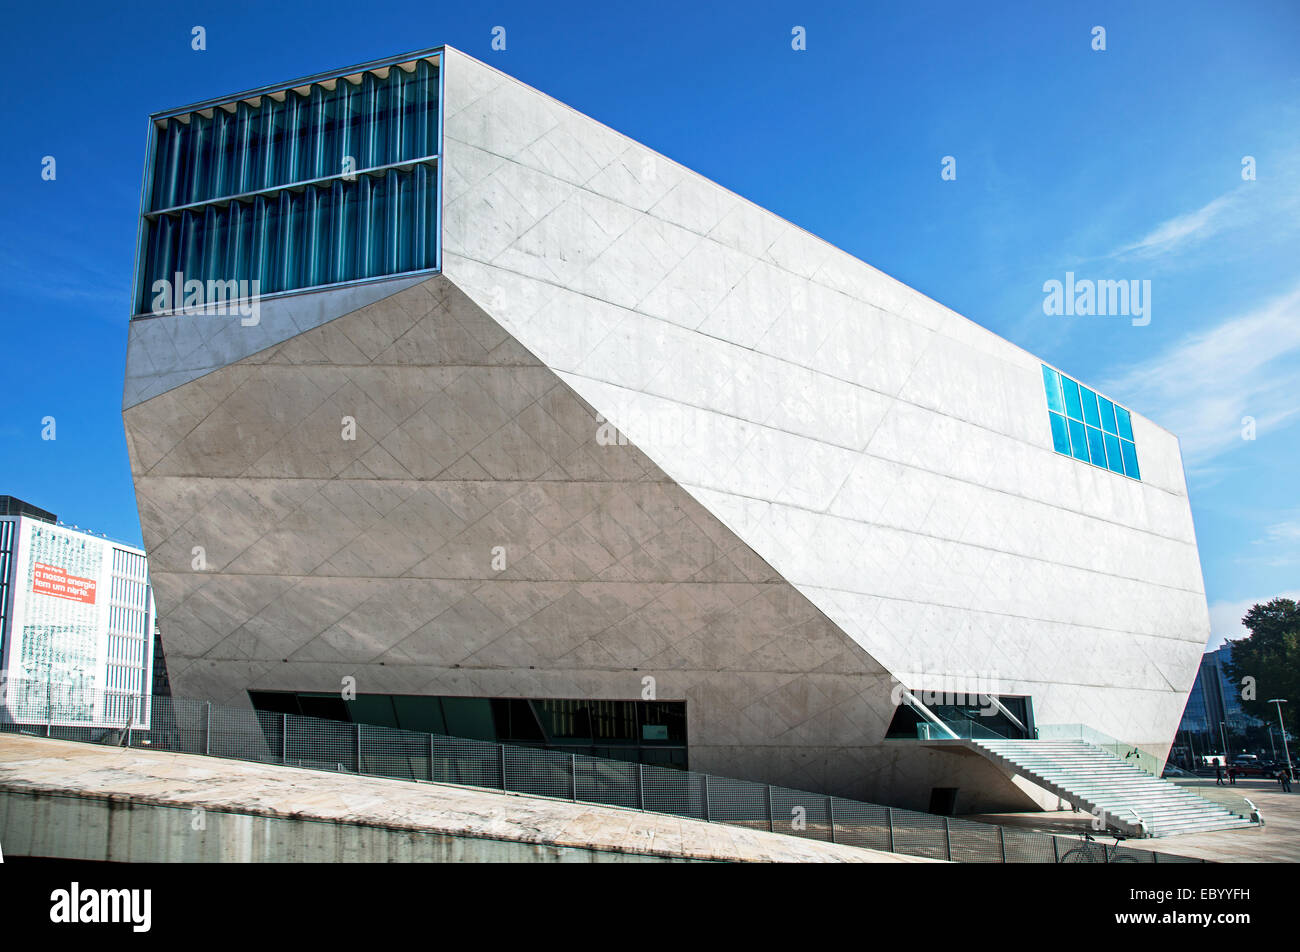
[1225,617]
[1202,387]
[1171,235]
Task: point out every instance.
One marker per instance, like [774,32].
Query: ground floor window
[648,732]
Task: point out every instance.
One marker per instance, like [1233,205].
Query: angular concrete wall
[326,557]
[888,457]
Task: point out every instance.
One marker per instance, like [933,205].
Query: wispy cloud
[1205,385]
[1173,235]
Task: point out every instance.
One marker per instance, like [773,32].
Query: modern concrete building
[76,623]
[530,420]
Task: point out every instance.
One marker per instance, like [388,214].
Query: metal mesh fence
[196,727]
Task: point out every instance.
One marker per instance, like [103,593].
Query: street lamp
[1285,749]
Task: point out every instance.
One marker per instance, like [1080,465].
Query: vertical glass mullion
[392,203]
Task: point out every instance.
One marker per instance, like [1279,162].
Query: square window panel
[1073,406]
[1090,414]
[1107,415]
[1114,462]
[1130,456]
[1125,424]
[1061,434]
[1096,447]
[1052,384]
[1078,441]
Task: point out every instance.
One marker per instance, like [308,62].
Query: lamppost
[1285,749]
[1224,737]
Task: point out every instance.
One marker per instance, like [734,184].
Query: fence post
[640,788]
[573,775]
[889,815]
[1002,842]
[284,739]
[771,822]
[830,815]
[49,704]
[708,814]
[207,727]
[431,774]
[501,752]
[1056,851]
[358,748]
[947,841]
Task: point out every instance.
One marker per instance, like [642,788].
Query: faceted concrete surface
[315,811]
[818,478]
[888,457]
[373,557]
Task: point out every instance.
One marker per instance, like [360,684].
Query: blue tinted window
[1061,434]
[1129,453]
[1113,460]
[1052,384]
[1107,415]
[1096,446]
[1087,426]
[1125,425]
[1078,441]
[331,182]
[1090,415]
[1073,407]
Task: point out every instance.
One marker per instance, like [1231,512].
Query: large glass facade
[1089,427]
[332,181]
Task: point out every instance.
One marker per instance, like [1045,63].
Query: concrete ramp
[80,801]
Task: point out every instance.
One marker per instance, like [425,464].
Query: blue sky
[1116,164]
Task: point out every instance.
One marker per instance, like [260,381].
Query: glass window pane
[1107,415]
[1052,384]
[1125,425]
[1073,405]
[1090,414]
[1096,446]
[1129,454]
[1114,462]
[1078,441]
[1060,434]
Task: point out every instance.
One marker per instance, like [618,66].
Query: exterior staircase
[1096,780]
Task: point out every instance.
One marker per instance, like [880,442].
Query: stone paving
[1277,841]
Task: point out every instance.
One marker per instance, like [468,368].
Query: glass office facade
[332,181]
[1089,427]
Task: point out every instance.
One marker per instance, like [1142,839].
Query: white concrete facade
[828,483]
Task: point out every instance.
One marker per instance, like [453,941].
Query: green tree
[1270,657]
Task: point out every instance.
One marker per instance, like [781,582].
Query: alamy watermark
[1103,298]
[180,295]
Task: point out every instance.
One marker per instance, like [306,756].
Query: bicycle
[1090,851]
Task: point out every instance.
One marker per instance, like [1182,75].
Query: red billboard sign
[52,580]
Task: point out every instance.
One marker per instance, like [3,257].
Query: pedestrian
[1232,776]
[1284,780]
[1218,774]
